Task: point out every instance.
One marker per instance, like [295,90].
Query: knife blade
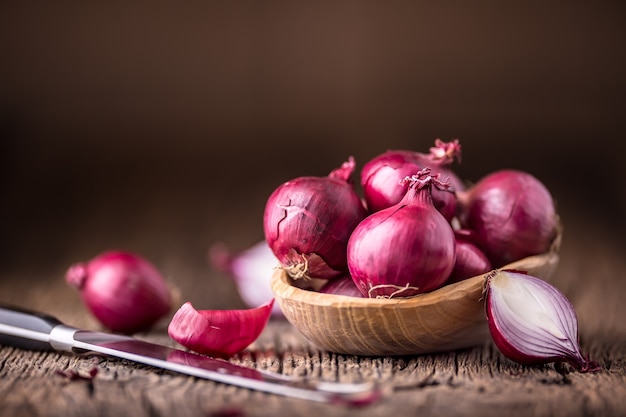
[33,330]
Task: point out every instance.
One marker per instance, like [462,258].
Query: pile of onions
[424,228]
[391,242]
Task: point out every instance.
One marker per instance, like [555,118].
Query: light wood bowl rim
[283,287]
[449,318]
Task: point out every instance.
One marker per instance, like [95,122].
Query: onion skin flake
[218,333]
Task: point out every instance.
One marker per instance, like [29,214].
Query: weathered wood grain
[477,381]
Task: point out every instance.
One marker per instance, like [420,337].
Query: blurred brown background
[163,128]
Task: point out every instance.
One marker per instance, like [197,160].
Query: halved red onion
[512,214]
[531,321]
[219,333]
[251,269]
[307,222]
[405,249]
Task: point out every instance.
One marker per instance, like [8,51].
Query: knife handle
[28,329]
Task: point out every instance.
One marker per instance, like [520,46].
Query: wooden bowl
[452,317]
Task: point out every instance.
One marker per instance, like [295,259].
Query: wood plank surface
[476,381]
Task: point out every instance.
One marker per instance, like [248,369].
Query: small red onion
[382,176]
[123,291]
[251,269]
[307,222]
[405,249]
[532,322]
[512,215]
[470,260]
[219,333]
[344,285]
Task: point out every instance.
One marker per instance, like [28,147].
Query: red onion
[123,291]
[532,322]
[344,285]
[307,222]
[251,269]
[404,249]
[512,215]
[220,333]
[382,176]
[470,260]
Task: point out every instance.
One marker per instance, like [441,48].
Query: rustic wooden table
[476,381]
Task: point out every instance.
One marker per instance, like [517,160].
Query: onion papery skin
[381,178]
[470,260]
[307,223]
[403,250]
[439,160]
[531,321]
[250,269]
[344,285]
[122,290]
[512,215]
[219,333]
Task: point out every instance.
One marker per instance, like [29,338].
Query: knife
[32,330]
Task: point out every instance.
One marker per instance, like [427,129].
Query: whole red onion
[512,215]
[405,249]
[343,285]
[122,290]
[307,222]
[382,176]
[470,260]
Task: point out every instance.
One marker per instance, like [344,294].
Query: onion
[220,333]
[470,260]
[251,269]
[307,222]
[405,249]
[531,321]
[382,176]
[343,285]
[122,290]
[512,215]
